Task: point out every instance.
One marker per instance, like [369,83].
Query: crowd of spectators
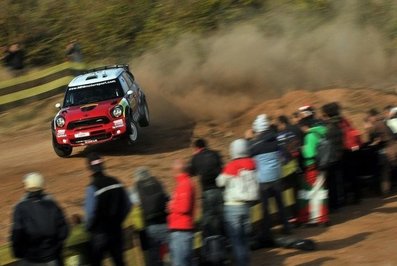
[330,157]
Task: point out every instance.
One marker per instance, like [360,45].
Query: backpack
[351,136]
[214,250]
[245,186]
[323,152]
[153,199]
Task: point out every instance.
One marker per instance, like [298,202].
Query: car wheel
[61,150]
[132,131]
[144,117]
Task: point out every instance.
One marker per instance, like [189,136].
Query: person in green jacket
[312,197]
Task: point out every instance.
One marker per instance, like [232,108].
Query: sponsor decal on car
[61,133]
[91,85]
[118,123]
[82,134]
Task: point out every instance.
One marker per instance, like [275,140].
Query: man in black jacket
[207,164]
[334,171]
[106,205]
[39,227]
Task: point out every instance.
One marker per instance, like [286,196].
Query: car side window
[124,84]
[129,81]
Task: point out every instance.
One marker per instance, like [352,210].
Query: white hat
[33,182]
[261,123]
[239,149]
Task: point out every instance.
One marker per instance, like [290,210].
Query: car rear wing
[125,67]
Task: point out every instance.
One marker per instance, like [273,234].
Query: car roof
[96,76]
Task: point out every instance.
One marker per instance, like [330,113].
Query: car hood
[88,110]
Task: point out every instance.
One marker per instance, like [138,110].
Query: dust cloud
[218,76]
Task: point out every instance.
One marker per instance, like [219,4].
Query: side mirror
[58,106]
[130,92]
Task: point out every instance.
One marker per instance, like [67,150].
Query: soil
[360,235]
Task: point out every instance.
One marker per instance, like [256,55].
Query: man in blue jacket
[264,149]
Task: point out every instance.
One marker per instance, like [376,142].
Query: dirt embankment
[25,146]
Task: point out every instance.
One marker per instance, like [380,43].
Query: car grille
[95,136]
[88,122]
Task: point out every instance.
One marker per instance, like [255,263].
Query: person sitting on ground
[39,227]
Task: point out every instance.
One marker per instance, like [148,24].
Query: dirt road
[360,235]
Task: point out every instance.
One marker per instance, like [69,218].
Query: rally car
[101,105]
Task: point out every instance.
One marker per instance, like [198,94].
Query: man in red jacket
[181,216]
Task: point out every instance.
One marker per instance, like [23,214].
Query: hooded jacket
[265,150]
[240,161]
[39,228]
[311,140]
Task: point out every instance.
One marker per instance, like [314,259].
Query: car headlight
[117,111]
[60,121]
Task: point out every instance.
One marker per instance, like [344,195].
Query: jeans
[181,248]
[334,180]
[238,228]
[157,235]
[212,218]
[111,242]
[266,191]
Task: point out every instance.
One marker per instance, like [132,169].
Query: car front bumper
[91,135]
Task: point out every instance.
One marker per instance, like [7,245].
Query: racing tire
[132,131]
[144,118]
[61,150]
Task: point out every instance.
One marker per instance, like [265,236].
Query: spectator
[351,156]
[284,125]
[264,148]
[237,211]
[334,171]
[312,196]
[106,206]
[295,118]
[207,164]
[73,51]
[181,216]
[39,227]
[382,138]
[391,121]
[14,58]
[153,200]
[290,138]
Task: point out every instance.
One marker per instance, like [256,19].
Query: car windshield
[92,93]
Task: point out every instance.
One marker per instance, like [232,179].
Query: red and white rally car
[102,105]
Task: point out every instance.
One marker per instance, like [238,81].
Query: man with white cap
[39,227]
[264,149]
